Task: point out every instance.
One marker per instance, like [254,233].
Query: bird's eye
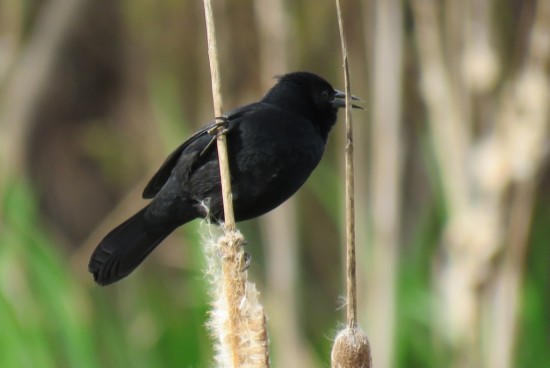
[325,95]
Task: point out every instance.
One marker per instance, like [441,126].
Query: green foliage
[46,317]
[534,337]
[51,317]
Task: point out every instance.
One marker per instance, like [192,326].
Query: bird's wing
[163,173]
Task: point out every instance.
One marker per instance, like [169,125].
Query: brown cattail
[351,349]
[237,319]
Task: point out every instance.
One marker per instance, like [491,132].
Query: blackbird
[273,146]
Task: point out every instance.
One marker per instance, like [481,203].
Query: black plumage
[273,146]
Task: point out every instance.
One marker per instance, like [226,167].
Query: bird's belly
[269,181]
[252,202]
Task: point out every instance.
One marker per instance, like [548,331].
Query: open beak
[340,100]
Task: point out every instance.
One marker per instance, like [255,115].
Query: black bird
[273,147]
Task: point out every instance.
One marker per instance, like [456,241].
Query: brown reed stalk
[490,195]
[351,347]
[237,319]
[26,84]
[470,235]
[218,111]
[384,25]
[280,227]
[350,198]
[524,124]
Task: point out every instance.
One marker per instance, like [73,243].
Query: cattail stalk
[28,81]
[237,320]
[351,348]
[384,25]
[523,130]
[490,196]
[218,111]
[350,202]
[280,227]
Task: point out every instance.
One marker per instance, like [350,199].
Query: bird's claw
[221,126]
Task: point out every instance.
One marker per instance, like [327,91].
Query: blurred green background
[452,181]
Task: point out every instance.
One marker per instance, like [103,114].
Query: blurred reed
[351,346]
[238,321]
[384,27]
[457,262]
[280,228]
[487,174]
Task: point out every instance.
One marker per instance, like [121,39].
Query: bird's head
[310,96]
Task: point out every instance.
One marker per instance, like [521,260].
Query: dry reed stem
[446,118]
[481,218]
[385,179]
[279,228]
[24,88]
[238,319]
[471,236]
[458,280]
[351,348]
[351,281]
[221,141]
[524,126]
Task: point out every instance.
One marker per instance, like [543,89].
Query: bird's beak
[340,100]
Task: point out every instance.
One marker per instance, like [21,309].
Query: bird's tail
[124,248]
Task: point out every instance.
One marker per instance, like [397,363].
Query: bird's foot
[221,126]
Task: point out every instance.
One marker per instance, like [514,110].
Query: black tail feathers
[124,248]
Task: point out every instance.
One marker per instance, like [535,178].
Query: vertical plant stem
[445,115]
[505,298]
[523,129]
[476,194]
[24,89]
[229,263]
[238,319]
[351,347]
[218,110]
[280,227]
[386,152]
[351,282]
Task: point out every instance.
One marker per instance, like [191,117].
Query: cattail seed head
[351,349]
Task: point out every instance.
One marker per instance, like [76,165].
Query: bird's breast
[271,165]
